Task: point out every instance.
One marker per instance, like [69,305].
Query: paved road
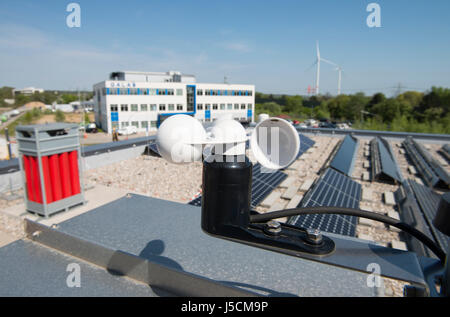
[22,111]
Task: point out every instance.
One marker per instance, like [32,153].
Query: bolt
[273,227]
[313,236]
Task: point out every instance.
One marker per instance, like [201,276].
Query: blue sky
[267,43]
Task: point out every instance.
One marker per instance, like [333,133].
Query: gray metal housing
[44,140]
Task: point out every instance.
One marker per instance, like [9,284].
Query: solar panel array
[332,189]
[418,205]
[445,150]
[384,166]
[344,159]
[428,201]
[305,144]
[430,170]
[263,183]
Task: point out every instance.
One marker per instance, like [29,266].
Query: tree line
[47,97]
[410,111]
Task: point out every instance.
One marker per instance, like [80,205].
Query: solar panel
[344,159]
[428,201]
[411,214]
[384,166]
[445,150]
[305,144]
[152,147]
[263,183]
[332,189]
[430,170]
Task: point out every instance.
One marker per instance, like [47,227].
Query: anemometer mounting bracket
[226,198]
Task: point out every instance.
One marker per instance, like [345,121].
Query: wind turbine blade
[317,50]
[329,62]
[312,65]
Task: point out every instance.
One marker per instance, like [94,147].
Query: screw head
[313,236]
[273,227]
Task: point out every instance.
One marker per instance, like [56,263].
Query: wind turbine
[320,59]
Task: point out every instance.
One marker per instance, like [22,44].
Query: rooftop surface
[150,176]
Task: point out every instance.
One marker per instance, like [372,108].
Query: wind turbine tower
[339,69]
[318,68]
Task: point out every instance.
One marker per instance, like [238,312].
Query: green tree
[294,104]
[338,106]
[271,108]
[411,98]
[21,100]
[68,98]
[355,105]
[376,99]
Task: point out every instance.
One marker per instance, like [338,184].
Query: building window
[243,106]
[199,106]
[179,92]
[123,107]
[249,106]
[199,92]
[236,106]
[207,92]
[135,124]
[134,107]
[222,106]
[152,124]
[162,107]
[207,106]
[114,108]
[152,91]
[230,106]
[215,106]
[144,124]
[179,107]
[125,124]
[171,107]
[133,91]
[152,107]
[144,108]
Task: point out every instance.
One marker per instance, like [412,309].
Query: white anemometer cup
[274,142]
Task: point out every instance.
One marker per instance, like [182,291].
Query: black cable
[353,212]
